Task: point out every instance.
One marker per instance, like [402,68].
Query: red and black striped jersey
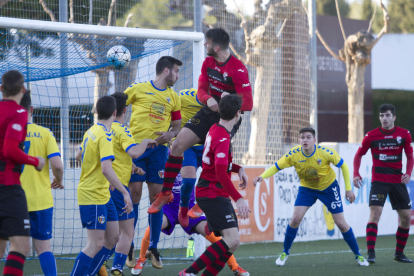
[386,149]
[231,77]
[13,125]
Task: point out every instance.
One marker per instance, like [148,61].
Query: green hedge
[403,102]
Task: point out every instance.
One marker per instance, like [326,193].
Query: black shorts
[204,119]
[14,217]
[398,194]
[219,212]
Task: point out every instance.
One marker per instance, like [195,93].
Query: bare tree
[357,55]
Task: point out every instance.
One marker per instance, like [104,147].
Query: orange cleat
[160,200]
[195,212]
[137,270]
[182,216]
[239,271]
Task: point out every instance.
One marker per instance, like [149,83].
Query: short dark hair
[307,129]
[12,83]
[385,107]
[121,100]
[166,62]
[26,101]
[229,106]
[105,107]
[219,37]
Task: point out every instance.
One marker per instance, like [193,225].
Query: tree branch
[386,27]
[71,19]
[327,46]
[340,20]
[90,11]
[128,19]
[49,12]
[372,19]
[111,9]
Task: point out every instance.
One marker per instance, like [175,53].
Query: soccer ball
[118,56]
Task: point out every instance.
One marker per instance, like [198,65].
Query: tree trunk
[356,85]
[101,87]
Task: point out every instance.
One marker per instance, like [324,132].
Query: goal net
[66,70]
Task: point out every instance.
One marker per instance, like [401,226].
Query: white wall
[393,62]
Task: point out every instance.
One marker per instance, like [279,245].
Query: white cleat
[282,259]
[361,261]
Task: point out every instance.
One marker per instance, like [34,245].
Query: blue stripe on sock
[155,228]
[289,238]
[97,261]
[82,264]
[349,237]
[186,190]
[48,263]
[119,261]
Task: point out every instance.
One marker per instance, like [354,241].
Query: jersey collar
[224,63]
[157,88]
[102,126]
[309,155]
[118,123]
[387,132]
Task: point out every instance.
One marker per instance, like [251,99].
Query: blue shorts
[330,197]
[118,200]
[41,224]
[96,216]
[193,156]
[153,163]
[171,212]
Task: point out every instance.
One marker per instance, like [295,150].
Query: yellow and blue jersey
[190,105]
[314,170]
[122,142]
[93,188]
[36,185]
[152,109]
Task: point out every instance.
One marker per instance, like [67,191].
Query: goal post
[35,48]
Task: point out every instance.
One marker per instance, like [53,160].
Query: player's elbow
[57,168]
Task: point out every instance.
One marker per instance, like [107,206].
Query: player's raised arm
[362,150]
[243,87]
[408,149]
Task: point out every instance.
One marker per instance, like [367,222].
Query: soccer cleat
[195,212]
[402,258]
[183,273]
[154,256]
[282,259]
[361,261]
[239,271]
[130,262]
[116,272]
[160,200]
[182,216]
[103,271]
[137,270]
[371,258]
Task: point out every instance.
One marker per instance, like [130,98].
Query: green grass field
[306,258]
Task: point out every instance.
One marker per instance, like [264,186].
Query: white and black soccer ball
[118,57]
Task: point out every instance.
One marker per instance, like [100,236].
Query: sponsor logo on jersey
[161,174]
[168,99]
[246,84]
[387,137]
[241,70]
[399,139]
[218,69]
[17,127]
[319,161]
[149,93]
[21,110]
[101,219]
[221,155]
[224,139]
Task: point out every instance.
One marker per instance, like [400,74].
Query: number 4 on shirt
[26,150]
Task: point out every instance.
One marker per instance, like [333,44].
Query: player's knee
[295,221]
[342,225]
[233,243]
[178,148]
[375,216]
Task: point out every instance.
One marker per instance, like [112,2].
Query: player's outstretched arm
[349,194]
[165,137]
[57,170]
[12,151]
[267,173]
[138,150]
[110,175]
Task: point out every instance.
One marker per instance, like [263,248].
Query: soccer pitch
[307,258]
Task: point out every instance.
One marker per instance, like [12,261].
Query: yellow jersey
[152,109]
[189,104]
[36,185]
[93,188]
[314,170]
[121,143]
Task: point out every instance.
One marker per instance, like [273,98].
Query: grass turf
[306,258]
